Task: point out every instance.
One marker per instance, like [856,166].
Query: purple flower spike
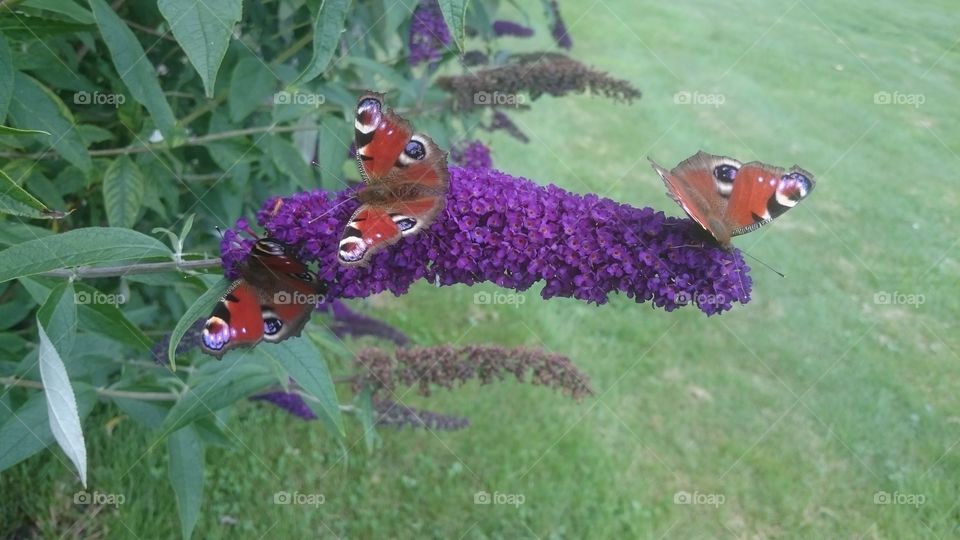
[472,155]
[514,233]
[290,402]
[347,322]
[559,28]
[429,35]
[510,28]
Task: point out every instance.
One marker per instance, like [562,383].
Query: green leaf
[186,475]
[77,247]
[332,149]
[63,7]
[216,392]
[16,201]
[305,364]
[96,312]
[327,28]
[455,15]
[203,30]
[133,66]
[250,83]
[289,161]
[17,233]
[58,316]
[7,130]
[201,308]
[368,422]
[28,430]
[18,27]
[62,409]
[123,192]
[148,413]
[34,106]
[6,78]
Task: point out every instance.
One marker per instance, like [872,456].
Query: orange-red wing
[762,192]
[694,184]
[370,229]
[236,321]
[380,136]
[756,183]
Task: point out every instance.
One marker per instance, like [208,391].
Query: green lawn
[792,413]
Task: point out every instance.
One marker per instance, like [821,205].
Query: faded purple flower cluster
[471,155]
[503,122]
[510,28]
[514,233]
[429,35]
[474,58]
[387,413]
[559,28]
[291,402]
[397,415]
[347,322]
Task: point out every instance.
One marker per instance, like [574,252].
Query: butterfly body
[405,182]
[271,301]
[729,198]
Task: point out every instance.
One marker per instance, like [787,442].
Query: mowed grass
[792,415]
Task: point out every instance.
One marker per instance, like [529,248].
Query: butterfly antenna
[220,232]
[338,205]
[772,269]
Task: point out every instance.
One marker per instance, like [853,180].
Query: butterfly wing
[701,185]
[288,290]
[235,322]
[406,181]
[271,302]
[380,136]
[762,193]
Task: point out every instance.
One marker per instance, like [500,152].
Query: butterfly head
[269,247]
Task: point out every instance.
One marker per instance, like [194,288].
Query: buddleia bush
[131,131]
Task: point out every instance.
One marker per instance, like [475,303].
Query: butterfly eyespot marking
[415,150]
[216,333]
[271,323]
[793,188]
[368,116]
[725,173]
[723,176]
[404,223]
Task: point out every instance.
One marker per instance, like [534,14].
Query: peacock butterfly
[729,198]
[271,301]
[405,182]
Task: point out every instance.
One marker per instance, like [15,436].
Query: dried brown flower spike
[533,74]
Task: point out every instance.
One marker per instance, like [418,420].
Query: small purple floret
[429,35]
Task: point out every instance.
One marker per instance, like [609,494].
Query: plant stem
[142,396]
[192,141]
[104,392]
[130,269]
